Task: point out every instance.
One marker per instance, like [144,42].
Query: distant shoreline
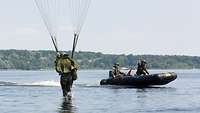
[44,60]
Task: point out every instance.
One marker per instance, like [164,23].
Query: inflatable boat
[142,80]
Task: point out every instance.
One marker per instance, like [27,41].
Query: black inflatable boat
[144,80]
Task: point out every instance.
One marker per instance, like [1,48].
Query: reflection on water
[67,106]
[155,89]
[151,97]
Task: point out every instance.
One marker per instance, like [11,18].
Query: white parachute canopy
[54,12]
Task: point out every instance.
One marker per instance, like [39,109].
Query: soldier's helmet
[143,61]
[116,64]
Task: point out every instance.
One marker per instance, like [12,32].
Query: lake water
[40,92]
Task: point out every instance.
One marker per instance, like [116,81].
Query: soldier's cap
[116,64]
[144,61]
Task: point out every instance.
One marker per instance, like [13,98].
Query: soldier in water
[67,69]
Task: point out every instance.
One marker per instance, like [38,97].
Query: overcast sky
[160,27]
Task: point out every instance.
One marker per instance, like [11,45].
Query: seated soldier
[115,71]
[142,68]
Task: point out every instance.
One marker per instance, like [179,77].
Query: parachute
[53,11]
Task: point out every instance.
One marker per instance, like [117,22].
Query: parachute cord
[47,21]
[74,44]
[54,43]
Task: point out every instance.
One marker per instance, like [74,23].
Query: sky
[157,27]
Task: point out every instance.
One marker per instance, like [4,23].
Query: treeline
[36,60]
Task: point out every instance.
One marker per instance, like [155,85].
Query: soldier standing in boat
[142,68]
[67,69]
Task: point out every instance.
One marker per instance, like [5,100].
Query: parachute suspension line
[52,12]
[83,15]
[79,9]
[76,36]
[54,43]
[49,15]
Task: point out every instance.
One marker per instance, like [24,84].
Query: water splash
[45,83]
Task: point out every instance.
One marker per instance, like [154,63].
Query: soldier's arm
[74,64]
[146,71]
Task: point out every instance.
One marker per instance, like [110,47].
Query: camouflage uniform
[142,69]
[67,70]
